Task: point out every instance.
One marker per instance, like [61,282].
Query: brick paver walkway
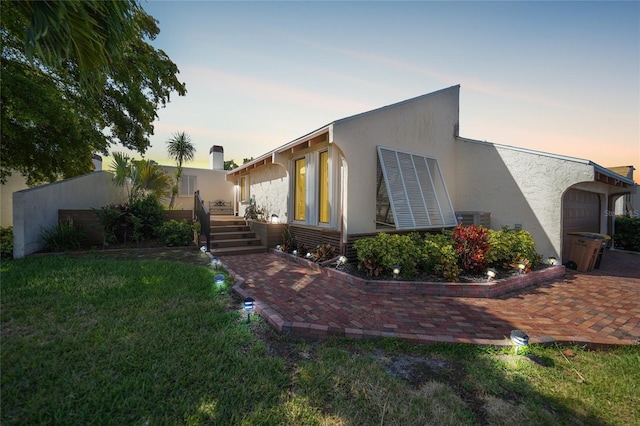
[601,307]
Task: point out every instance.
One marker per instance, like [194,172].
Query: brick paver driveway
[601,307]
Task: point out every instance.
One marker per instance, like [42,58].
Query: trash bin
[586,249]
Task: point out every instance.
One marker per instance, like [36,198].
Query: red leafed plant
[471,243]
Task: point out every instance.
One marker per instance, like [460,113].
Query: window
[323,190]
[188,185]
[300,190]
[413,190]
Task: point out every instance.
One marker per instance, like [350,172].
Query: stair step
[227,228]
[215,222]
[244,242]
[232,251]
[232,235]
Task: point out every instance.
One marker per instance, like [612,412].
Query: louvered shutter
[416,189]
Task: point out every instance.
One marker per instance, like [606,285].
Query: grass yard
[144,337]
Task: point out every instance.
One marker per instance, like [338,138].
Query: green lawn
[135,340]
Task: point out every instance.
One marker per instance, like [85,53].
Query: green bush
[509,246]
[66,235]
[113,220]
[383,252]
[439,256]
[152,215]
[627,234]
[6,243]
[174,233]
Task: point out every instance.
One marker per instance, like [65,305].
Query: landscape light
[275,218]
[341,261]
[553,261]
[309,255]
[215,262]
[519,338]
[295,252]
[203,249]
[491,273]
[278,247]
[219,280]
[396,271]
[249,306]
[521,267]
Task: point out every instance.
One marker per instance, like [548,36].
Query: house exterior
[404,167]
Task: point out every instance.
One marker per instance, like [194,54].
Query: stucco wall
[212,185]
[269,185]
[518,188]
[37,208]
[15,182]
[424,125]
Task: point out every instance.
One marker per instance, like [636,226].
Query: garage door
[580,213]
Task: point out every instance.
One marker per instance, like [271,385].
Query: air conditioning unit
[475,218]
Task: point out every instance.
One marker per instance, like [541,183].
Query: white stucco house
[404,167]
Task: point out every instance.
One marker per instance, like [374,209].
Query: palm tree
[139,177]
[180,149]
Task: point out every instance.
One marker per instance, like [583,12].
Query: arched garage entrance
[581,212]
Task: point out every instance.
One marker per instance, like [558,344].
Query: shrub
[112,218]
[6,243]
[151,213]
[439,257]
[471,244]
[385,251]
[627,234]
[510,246]
[174,233]
[323,252]
[66,235]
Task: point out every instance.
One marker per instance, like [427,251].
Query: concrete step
[233,251]
[233,235]
[235,243]
[229,228]
[227,222]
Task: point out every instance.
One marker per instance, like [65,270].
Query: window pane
[187,186]
[324,187]
[300,195]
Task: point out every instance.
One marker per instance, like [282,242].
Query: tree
[230,165]
[180,149]
[62,99]
[139,177]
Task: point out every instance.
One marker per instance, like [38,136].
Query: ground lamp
[278,247]
[203,249]
[396,271]
[519,338]
[295,252]
[521,268]
[309,255]
[341,261]
[215,262]
[219,280]
[249,306]
[553,261]
[491,274]
[275,218]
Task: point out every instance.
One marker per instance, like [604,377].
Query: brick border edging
[426,288]
[316,331]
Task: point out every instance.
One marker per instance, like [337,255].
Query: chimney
[216,158]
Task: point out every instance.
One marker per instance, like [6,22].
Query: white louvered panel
[417,192]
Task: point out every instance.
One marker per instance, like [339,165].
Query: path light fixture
[521,267]
[396,271]
[278,247]
[552,261]
[219,280]
[309,255]
[519,338]
[203,249]
[249,306]
[491,274]
[215,262]
[341,261]
[295,252]
[275,218]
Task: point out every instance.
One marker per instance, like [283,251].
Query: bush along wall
[627,236]
[463,250]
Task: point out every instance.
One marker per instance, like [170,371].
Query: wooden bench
[221,207]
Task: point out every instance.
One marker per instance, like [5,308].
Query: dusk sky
[559,77]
